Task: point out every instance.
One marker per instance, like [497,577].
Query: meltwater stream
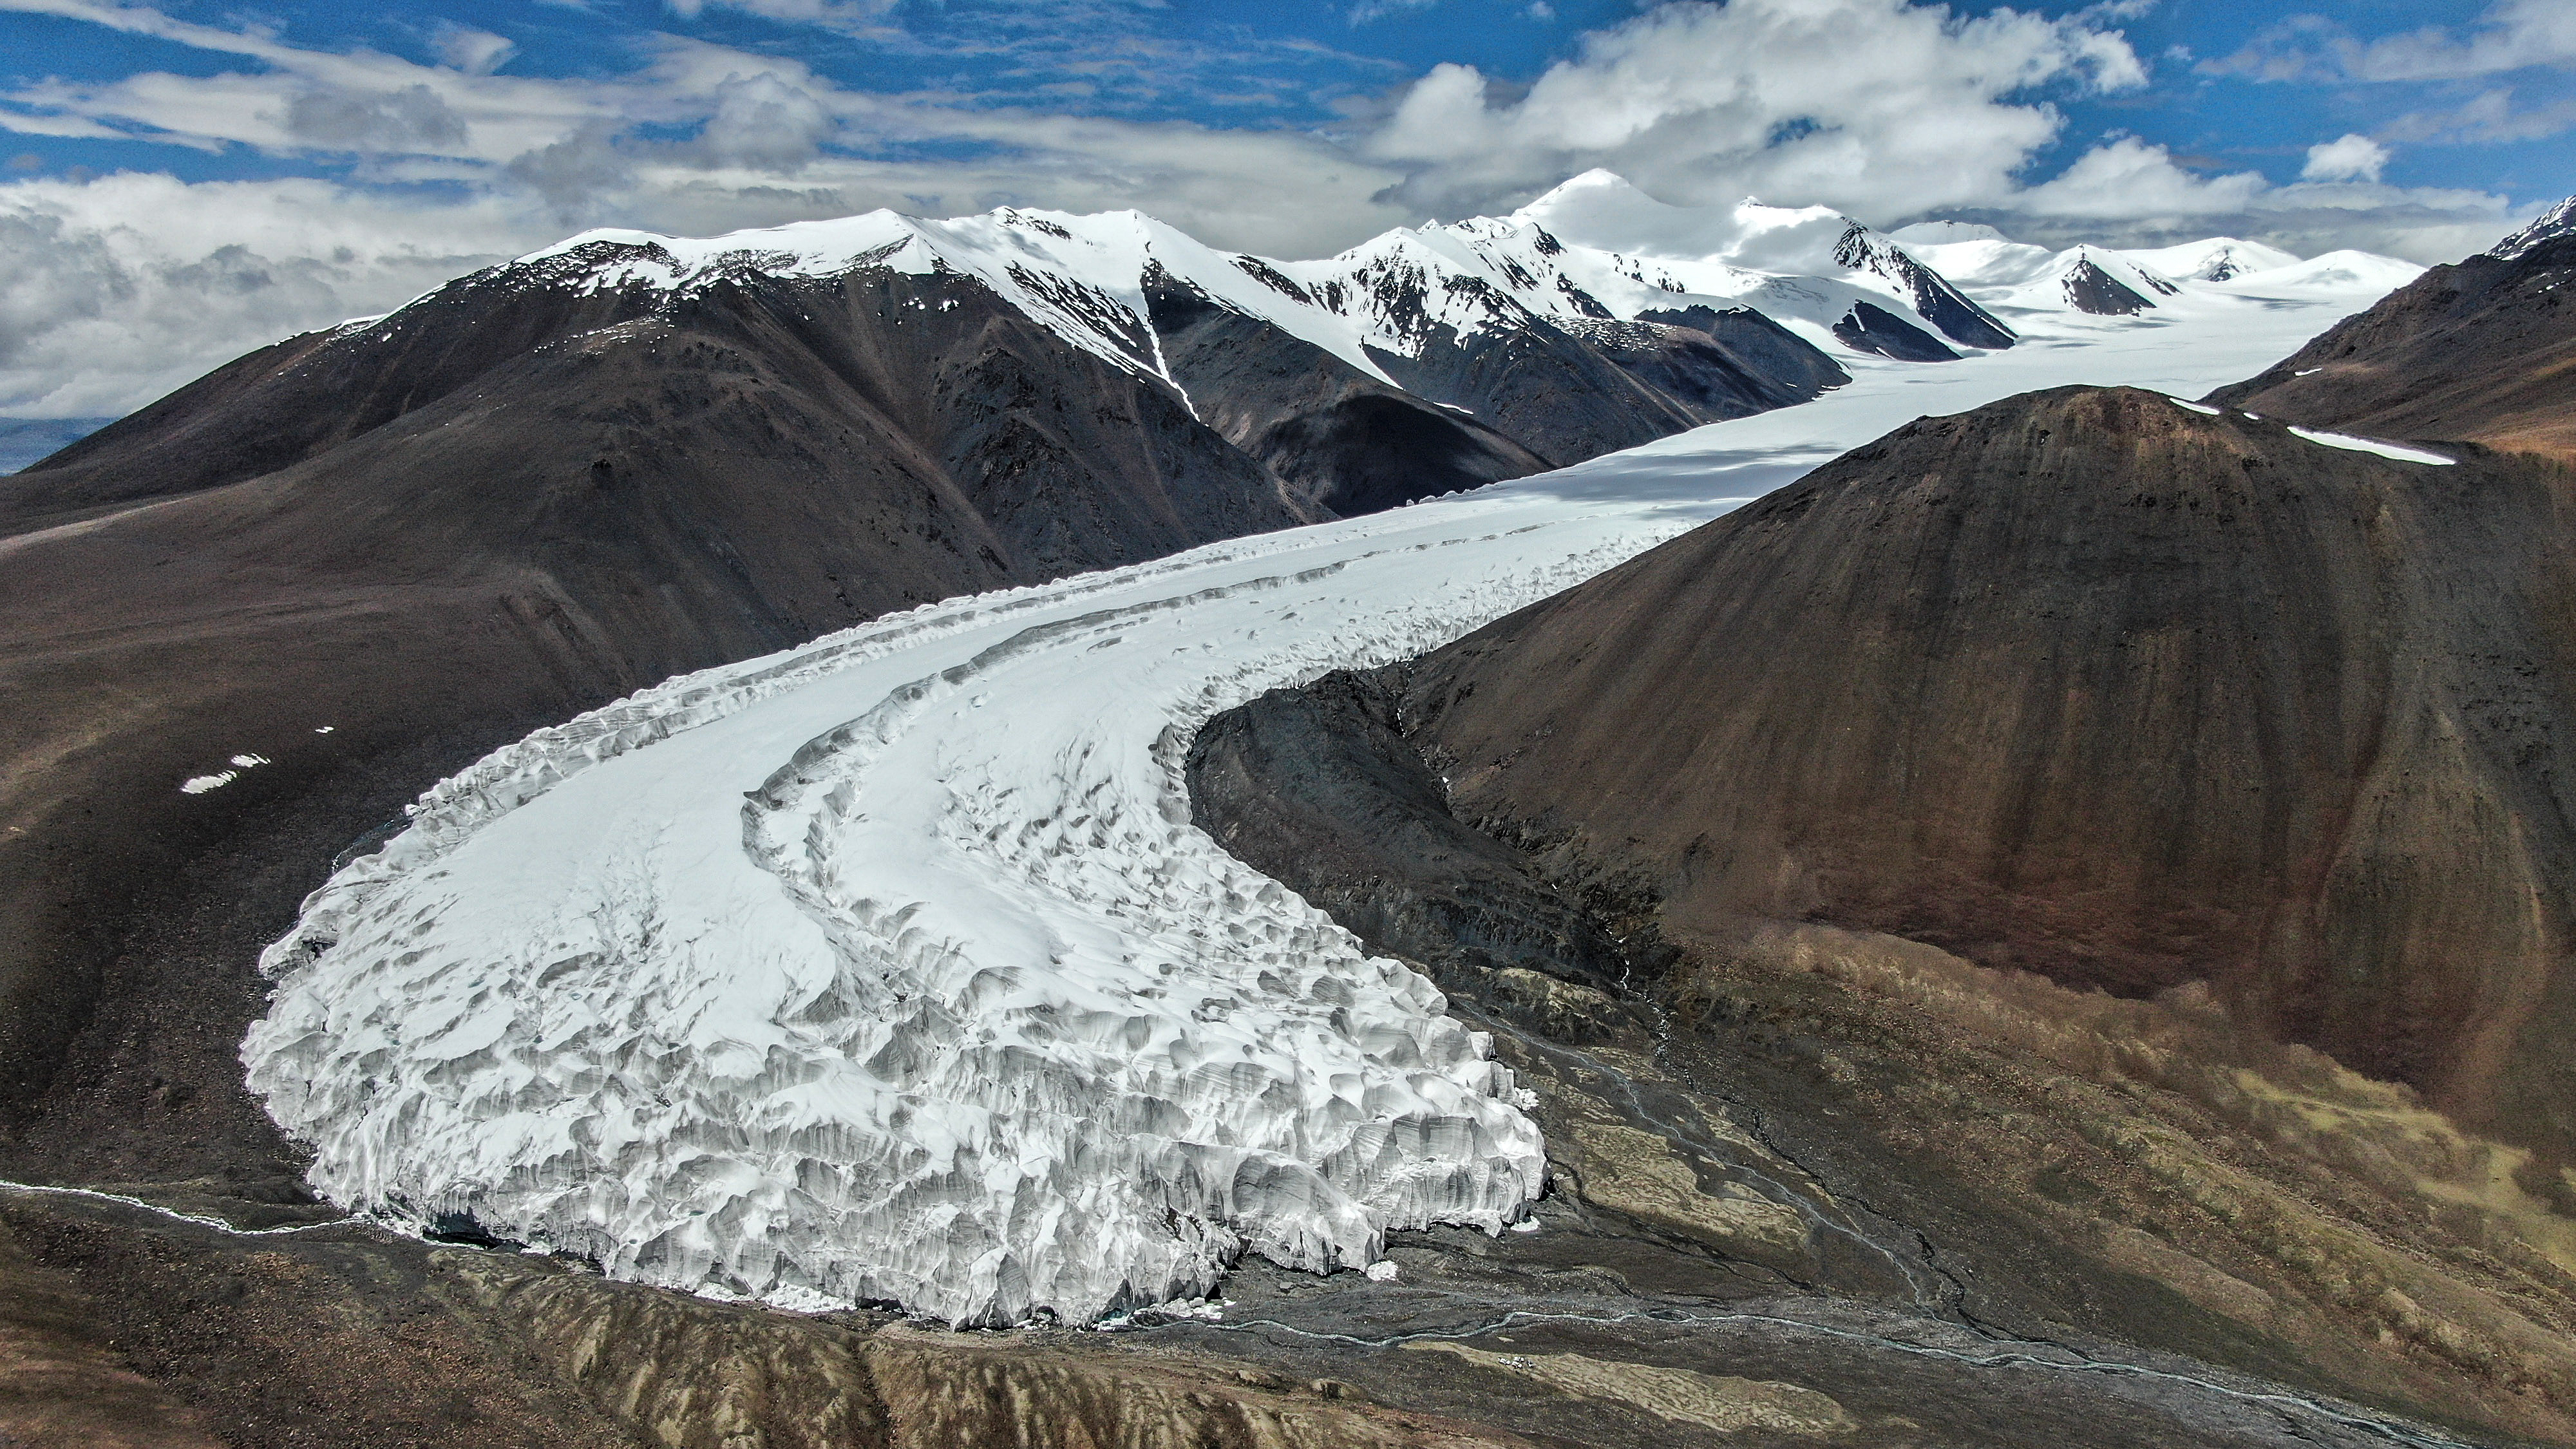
[890,968]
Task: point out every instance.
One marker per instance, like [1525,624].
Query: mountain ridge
[2480,350]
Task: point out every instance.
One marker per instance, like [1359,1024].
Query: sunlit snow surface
[890,968]
[2349,443]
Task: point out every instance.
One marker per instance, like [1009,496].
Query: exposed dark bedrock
[1318,788]
[1874,329]
[2091,289]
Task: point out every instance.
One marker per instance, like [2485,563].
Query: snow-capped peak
[1088,278]
[2017,278]
[2557,221]
[2216,259]
[1603,211]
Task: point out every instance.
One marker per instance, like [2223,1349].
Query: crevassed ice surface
[890,967]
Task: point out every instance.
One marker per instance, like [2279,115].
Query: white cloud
[761,120]
[2510,35]
[1869,104]
[122,288]
[475,52]
[2347,158]
[1369,10]
[2128,180]
[2488,117]
[1892,112]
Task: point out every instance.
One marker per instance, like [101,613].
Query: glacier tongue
[814,976]
[890,967]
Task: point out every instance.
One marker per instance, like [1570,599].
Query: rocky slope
[2110,691]
[2482,350]
[1633,1316]
[2008,1167]
[2139,824]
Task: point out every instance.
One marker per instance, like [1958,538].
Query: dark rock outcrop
[2555,224]
[1724,364]
[1932,295]
[1875,329]
[1573,390]
[1317,787]
[1348,441]
[2091,289]
[2484,351]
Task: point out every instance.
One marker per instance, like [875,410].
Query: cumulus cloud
[1938,114]
[574,173]
[2129,180]
[2128,192]
[2347,158]
[411,119]
[763,121]
[1703,103]
[125,287]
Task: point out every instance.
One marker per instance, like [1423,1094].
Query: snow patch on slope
[2349,443]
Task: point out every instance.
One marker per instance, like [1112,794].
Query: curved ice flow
[890,968]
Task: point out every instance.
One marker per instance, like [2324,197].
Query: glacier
[890,969]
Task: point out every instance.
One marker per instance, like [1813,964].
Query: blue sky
[186,180]
[2217,95]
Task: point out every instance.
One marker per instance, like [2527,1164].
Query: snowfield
[890,967]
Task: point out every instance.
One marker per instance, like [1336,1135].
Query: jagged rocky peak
[1541,350]
[2109,285]
[2556,222]
[2088,288]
